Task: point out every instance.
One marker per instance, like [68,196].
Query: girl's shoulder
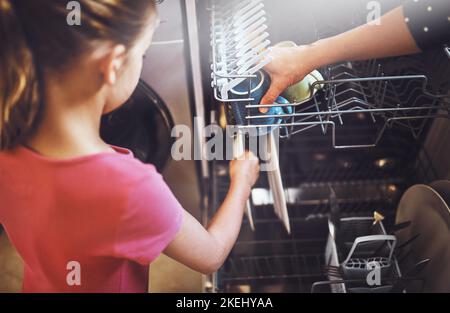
[112,172]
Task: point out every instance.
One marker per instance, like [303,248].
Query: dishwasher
[348,154]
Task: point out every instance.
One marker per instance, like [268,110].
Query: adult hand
[289,65]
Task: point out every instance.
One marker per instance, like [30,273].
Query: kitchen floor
[11,267]
[166,275]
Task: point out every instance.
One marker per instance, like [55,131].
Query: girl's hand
[288,66]
[206,250]
[245,169]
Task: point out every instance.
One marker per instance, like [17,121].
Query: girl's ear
[112,63]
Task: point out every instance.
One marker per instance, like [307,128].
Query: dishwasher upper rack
[239,42]
[360,89]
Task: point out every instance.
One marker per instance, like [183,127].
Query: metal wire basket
[359,92]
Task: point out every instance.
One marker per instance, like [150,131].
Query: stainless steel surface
[196,75]
[165,65]
[166,70]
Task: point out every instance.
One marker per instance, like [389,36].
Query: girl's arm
[205,250]
[391,37]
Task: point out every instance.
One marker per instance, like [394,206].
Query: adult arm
[393,35]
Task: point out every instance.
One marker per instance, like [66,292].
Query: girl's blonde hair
[35,37]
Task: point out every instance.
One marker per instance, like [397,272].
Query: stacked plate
[427,207]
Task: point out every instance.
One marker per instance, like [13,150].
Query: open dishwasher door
[362,135]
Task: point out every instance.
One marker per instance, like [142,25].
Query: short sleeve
[429,22]
[150,221]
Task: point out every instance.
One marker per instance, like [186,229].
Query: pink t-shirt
[86,224]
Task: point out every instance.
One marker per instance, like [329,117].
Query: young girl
[68,201]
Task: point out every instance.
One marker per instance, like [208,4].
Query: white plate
[430,217]
[276,184]
[238,150]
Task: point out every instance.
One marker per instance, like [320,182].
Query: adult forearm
[391,37]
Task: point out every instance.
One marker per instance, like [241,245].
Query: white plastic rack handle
[373,238]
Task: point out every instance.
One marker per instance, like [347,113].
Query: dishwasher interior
[357,144]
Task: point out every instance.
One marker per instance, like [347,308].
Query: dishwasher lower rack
[261,263]
[268,259]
